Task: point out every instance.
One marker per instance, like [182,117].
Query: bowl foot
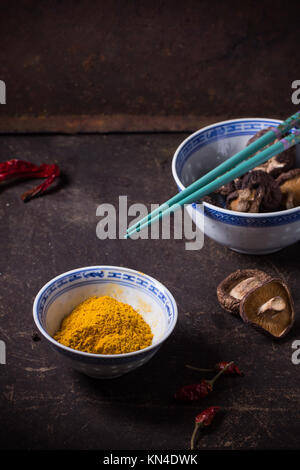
[255,252]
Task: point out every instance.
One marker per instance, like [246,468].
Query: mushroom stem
[197,368]
[197,426]
[241,289]
[275,305]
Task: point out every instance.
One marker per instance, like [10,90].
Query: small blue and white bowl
[146,295]
[243,232]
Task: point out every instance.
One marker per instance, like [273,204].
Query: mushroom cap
[229,302]
[295,173]
[264,193]
[215,199]
[264,183]
[230,187]
[244,200]
[267,196]
[277,164]
[289,184]
[275,322]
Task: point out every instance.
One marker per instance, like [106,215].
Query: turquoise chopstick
[227,165]
[239,170]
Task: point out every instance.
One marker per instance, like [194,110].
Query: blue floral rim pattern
[245,221]
[115,361]
[219,131]
[223,131]
[94,276]
[103,275]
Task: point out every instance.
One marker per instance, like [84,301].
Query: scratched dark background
[123,66]
[46,405]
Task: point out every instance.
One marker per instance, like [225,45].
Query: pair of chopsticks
[227,171]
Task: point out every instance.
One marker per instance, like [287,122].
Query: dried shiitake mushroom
[245,200]
[234,287]
[215,199]
[230,187]
[259,192]
[270,307]
[277,164]
[289,184]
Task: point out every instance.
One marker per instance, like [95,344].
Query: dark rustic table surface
[44,404]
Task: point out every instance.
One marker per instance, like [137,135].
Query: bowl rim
[212,206]
[94,355]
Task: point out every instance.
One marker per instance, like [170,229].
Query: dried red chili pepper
[200,390]
[22,169]
[232,370]
[194,391]
[202,420]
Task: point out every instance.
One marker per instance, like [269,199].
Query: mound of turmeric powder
[103,325]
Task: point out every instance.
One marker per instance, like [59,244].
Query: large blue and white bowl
[244,232]
[148,296]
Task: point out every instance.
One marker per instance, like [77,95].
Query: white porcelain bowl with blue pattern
[244,232]
[146,295]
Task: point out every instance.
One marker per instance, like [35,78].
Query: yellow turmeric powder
[103,325]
